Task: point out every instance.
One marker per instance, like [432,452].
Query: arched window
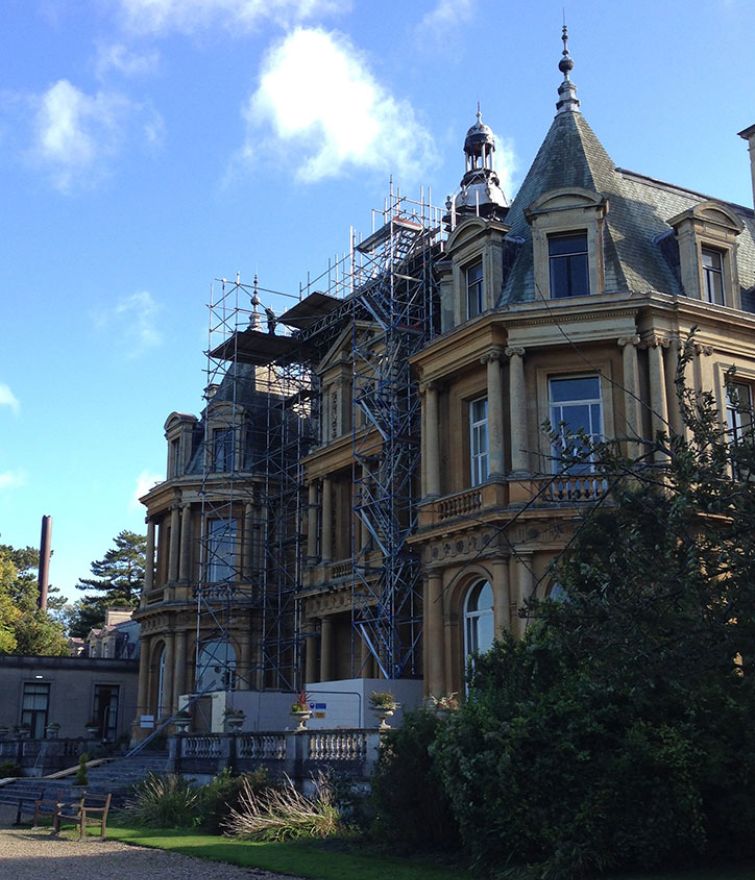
[216,666]
[557,593]
[478,620]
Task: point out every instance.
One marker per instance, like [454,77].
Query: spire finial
[566,64]
[567,91]
[479,113]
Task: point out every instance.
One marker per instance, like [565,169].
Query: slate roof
[635,254]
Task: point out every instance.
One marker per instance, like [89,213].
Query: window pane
[567,244]
[578,388]
[579,280]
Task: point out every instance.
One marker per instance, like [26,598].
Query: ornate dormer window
[567,242]
[179,432]
[707,238]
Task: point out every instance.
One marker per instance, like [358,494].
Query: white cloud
[12,479]
[8,398]
[186,16]
[133,320]
[144,482]
[120,58]
[319,98]
[506,163]
[446,14]
[75,132]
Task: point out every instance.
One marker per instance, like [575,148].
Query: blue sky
[150,146]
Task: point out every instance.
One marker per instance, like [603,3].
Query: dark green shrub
[412,809]
[221,795]
[82,778]
[9,769]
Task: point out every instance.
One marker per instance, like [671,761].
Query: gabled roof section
[572,157]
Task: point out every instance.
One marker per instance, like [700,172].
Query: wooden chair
[91,809]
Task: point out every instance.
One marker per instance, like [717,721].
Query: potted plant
[233,719]
[92,727]
[383,704]
[444,705]
[301,711]
[52,730]
[182,720]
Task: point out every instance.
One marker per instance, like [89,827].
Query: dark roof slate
[639,209]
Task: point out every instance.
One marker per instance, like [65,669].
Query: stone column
[310,653]
[631,382]
[525,585]
[179,667]
[168,678]
[435,673]
[501,597]
[175,534]
[244,676]
[670,368]
[496,466]
[312,520]
[142,693]
[658,400]
[149,567]
[432,441]
[518,405]
[365,659]
[326,648]
[184,563]
[326,545]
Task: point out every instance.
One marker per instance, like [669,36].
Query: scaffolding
[262,419]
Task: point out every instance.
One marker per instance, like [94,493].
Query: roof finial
[567,91]
[479,114]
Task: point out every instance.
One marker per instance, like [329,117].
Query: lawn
[334,860]
[326,860]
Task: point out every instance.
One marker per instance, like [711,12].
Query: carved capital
[655,340]
[707,350]
[515,350]
[628,340]
[494,355]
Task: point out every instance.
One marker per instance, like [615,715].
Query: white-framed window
[35,706]
[738,417]
[575,408]
[713,276]
[216,666]
[478,440]
[479,630]
[568,264]
[222,449]
[473,282]
[221,550]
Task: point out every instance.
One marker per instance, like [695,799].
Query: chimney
[44,561]
[749,135]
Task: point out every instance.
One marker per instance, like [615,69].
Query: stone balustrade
[353,752]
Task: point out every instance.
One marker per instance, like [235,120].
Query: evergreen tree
[618,733]
[117,582]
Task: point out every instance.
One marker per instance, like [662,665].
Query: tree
[117,583]
[24,628]
[618,733]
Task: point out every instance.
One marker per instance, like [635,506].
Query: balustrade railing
[261,746]
[337,745]
[459,505]
[202,746]
[576,487]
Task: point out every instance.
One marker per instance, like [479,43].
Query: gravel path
[32,854]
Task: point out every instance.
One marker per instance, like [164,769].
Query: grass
[343,859]
[319,860]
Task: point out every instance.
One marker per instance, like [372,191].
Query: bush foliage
[412,809]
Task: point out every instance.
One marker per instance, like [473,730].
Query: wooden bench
[89,809]
[23,802]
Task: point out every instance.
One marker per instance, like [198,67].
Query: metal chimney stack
[44,561]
